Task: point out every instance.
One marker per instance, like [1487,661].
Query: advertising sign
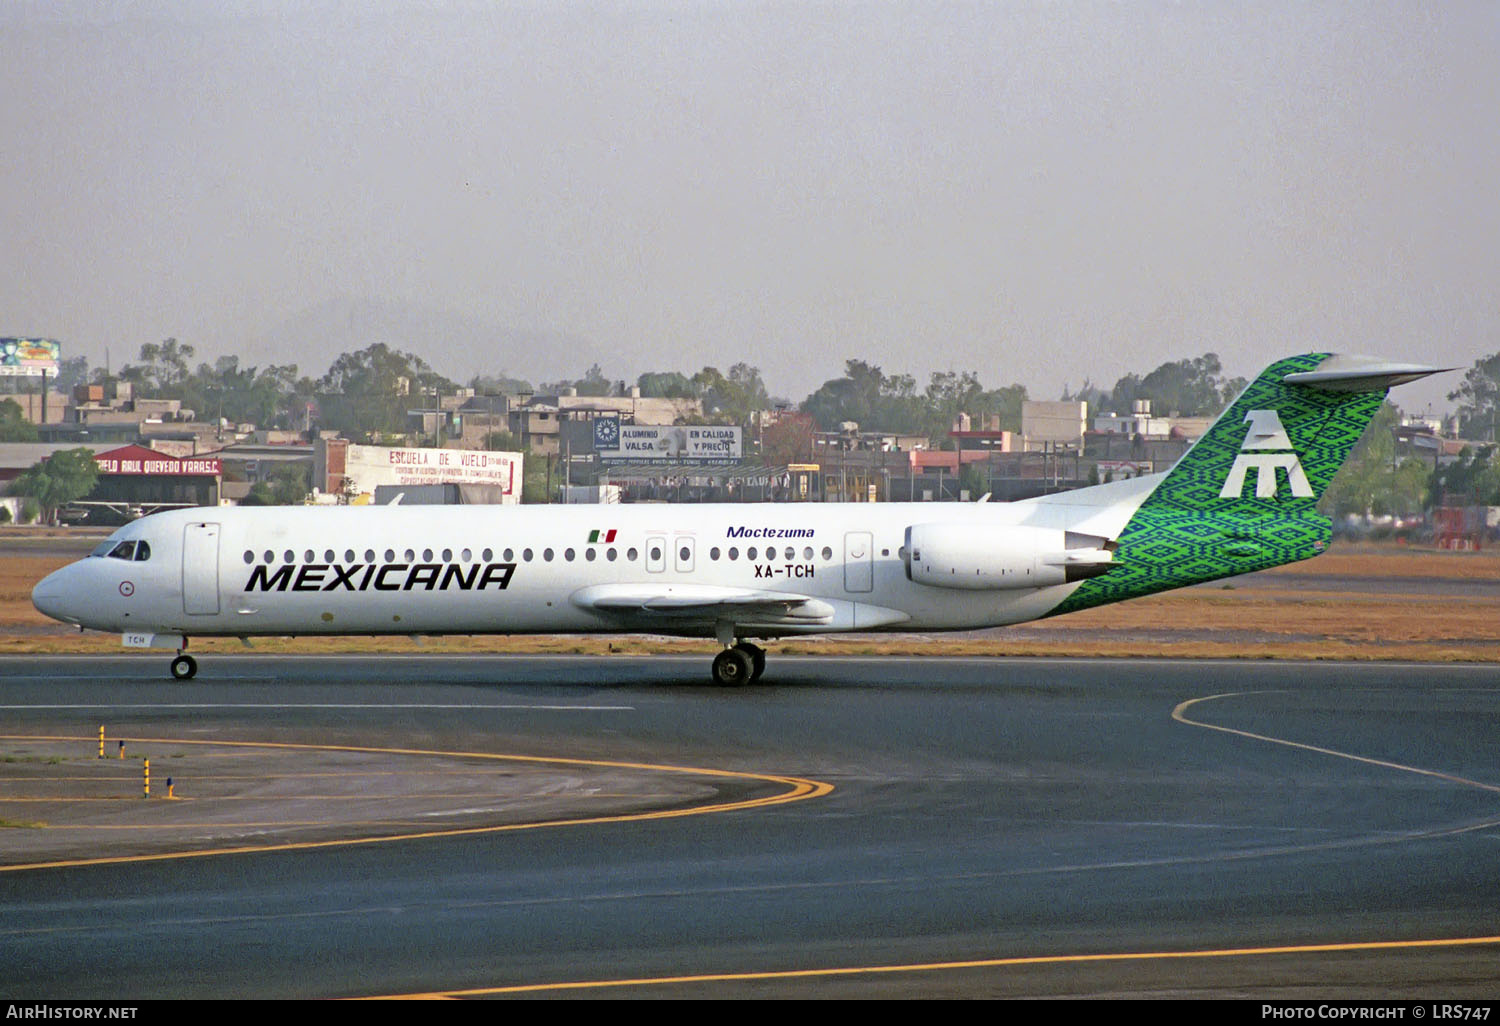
[667,444]
[371,465]
[29,357]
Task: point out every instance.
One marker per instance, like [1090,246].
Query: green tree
[731,399]
[162,369]
[366,394]
[666,385]
[498,384]
[1370,481]
[64,477]
[14,427]
[1473,478]
[593,383]
[238,394]
[287,485]
[73,370]
[1183,388]
[1478,400]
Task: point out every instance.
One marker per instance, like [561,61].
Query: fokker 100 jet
[1241,499]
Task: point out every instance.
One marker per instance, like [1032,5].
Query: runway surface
[965,827]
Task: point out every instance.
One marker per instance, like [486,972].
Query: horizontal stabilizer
[1360,374]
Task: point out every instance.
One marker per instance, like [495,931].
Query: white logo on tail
[1266,433]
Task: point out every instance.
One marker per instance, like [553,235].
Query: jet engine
[975,557]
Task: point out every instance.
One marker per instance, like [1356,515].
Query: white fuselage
[528,569]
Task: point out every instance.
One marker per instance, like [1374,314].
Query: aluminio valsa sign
[636,443]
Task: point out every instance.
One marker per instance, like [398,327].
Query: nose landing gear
[184,667]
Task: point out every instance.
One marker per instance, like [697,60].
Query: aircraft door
[684,546]
[859,561]
[200,569]
[656,554]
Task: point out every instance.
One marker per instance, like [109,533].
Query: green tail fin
[1243,497]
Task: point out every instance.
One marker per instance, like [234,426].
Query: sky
[1042,193]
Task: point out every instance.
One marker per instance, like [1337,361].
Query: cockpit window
[124,550]
[103,548]
[142,552]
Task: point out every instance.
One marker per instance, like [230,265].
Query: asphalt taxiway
[613,826]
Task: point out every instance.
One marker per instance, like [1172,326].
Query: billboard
[667,443]
[369,466]
[29,357]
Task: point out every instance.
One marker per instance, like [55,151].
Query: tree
[733,399]
[162,369]
[1184,388]
[878,402]
[286,486]
[1479,399]
[1473,478]
[1370,482]
[14,427]
[73,370]
[592,383]
[498,384]
[666,385]
[63,477]
[240,395]
[367,394]
[789,440]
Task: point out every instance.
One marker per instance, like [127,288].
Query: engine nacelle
[974,557]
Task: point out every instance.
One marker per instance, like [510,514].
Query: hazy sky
[1041,192]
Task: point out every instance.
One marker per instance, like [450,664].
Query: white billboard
[371,465]
[643,443]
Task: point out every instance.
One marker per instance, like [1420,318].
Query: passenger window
[142,552]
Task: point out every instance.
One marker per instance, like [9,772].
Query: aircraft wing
[668,602]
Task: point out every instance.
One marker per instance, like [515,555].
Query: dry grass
[1345,615]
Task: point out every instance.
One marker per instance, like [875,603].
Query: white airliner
[1242,499]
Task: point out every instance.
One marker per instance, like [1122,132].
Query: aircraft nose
[52,596]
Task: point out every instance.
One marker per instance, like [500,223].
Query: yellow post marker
[170,795]
[122,749]
[101,740]
[148,780]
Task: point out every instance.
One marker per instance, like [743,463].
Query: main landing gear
[740,664]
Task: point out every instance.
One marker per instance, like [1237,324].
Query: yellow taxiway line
[797,789]
[930,967]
